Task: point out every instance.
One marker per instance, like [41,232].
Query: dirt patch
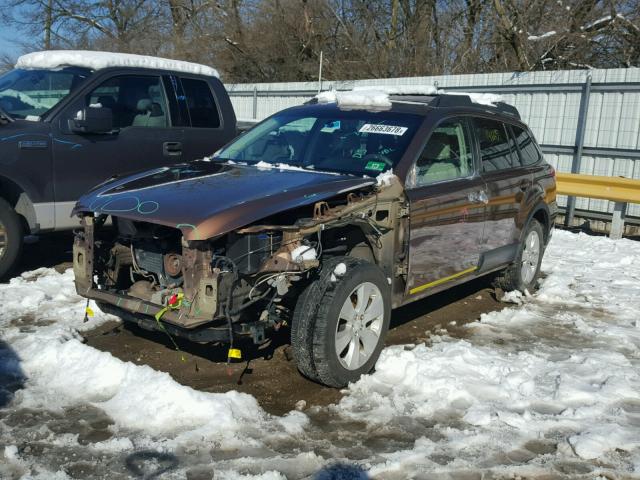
[269,373]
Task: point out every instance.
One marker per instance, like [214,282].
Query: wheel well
[349,240]
[11,192]
[543,218]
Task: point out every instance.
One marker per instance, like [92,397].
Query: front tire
[341,321]
[11,236]
[523,273]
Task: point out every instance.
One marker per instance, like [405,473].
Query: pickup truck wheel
[523,273]
[11,234]
[341,339]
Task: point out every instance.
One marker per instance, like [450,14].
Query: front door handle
[172,149]
[479,196]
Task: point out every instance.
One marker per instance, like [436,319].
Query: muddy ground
[268,373]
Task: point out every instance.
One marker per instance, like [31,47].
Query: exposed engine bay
[243,282]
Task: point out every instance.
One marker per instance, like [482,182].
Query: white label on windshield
[384,129]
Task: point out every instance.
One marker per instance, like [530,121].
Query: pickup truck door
[143,138]
[207,116]
[447,210]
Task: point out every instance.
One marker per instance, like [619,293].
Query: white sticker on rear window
[385,129]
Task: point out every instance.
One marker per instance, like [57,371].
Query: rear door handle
[524,185]
[172,149]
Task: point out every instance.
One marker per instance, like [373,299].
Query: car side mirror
[93,119]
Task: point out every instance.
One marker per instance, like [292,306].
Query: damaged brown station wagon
[300,222]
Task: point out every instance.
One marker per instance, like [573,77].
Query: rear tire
[11,239]
[523,273]
[340,322]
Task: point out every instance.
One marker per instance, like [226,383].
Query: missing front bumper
[205,334]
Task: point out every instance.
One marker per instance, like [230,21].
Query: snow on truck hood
[205,199]
[98,60]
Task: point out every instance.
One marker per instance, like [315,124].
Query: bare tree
[281,40]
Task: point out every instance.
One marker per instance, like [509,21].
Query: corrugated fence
[586,121]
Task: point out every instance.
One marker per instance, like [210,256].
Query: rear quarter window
[529,152]
[202,107]
[495,145]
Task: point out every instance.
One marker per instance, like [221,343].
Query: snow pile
[400,89]
[562,369]
[371,100]
[386,178]
[546,388]
[338,272]
[262,165]
[489,99]
[62,371]
[53,59]
[377,98]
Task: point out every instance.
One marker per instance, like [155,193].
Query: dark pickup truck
[70,120]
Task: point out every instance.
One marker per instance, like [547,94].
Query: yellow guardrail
[617,189]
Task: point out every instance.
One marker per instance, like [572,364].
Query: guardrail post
[617,221]
[255,102]
[577,156]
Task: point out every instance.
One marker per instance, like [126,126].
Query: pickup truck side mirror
[92,119]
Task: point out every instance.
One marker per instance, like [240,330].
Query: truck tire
[523,273]
[340,322]
[11,236]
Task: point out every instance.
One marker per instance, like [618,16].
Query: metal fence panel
[549,102]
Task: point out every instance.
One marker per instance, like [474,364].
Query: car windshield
[353,142]
[31,93]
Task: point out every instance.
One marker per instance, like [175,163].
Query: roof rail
[446,99]
[462,100]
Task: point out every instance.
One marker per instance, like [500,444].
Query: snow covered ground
[546,388]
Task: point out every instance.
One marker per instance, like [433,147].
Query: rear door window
[202,107]
[495,145]
[529,152]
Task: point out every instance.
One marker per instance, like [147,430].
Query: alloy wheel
[530,257]
[359,326]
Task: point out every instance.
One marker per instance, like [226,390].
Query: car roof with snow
[56,59]
[416,100]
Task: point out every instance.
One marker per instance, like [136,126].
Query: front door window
[135,100]
[446,156]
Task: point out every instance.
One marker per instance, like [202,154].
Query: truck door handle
[172,149]
[479,196]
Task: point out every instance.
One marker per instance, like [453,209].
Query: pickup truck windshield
[31,93]
[354,142]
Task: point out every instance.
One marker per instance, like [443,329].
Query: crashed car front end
[243,282]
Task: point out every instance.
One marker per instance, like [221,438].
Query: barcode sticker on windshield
[384,129]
